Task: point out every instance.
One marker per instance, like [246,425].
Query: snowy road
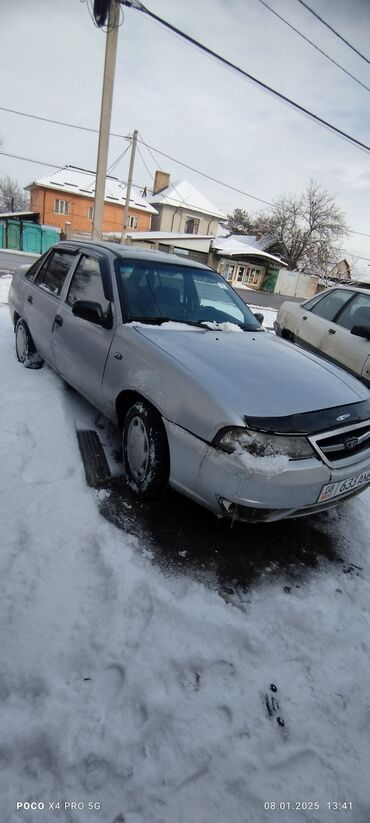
[134,661]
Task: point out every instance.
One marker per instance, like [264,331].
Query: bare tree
[12,196]
[308,225]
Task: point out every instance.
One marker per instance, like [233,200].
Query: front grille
[349,444]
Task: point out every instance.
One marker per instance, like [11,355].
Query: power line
[30,160]
[61,123]
[143,161]
[179,162]
[203,174]
[328,26]
[135,4]
[263,3]
[353,253]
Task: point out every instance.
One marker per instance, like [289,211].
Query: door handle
[58,320]
[331,331]
[30,298]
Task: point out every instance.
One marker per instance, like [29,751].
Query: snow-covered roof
[181,193]
[80,181]
[261,243]
[233,246]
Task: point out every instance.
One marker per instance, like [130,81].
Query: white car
[334,324]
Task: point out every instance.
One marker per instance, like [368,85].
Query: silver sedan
[208,402]
[334,324]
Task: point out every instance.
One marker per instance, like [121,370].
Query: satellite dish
[101,8]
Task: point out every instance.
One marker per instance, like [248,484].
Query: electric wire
[266,5]
[61,123]
[179,162]
[137,6]
[328,26]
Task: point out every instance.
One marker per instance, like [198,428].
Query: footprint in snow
[272,702]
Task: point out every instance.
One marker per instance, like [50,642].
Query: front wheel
[25,348]
[145,451]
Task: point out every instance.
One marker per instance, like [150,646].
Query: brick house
[65,199]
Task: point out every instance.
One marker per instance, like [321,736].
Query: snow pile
[144,692]
[212,324]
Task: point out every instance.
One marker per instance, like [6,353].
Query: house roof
[181,193]
[235,246]
[82,182]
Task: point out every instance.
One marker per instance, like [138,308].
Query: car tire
[287,335]
[145,451]
[25,348]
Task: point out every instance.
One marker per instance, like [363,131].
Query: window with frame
[53,272]
[329,305]
[32,272]
[87,283]
[61,206]
[133,222]
[229,272]
[192,225]
[253,276]
[356,312]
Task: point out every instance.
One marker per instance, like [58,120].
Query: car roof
[149,255]
[339,286]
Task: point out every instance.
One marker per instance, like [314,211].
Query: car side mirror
[89,310]
[361,331]
[259,316]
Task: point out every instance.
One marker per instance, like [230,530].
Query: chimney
[161,181]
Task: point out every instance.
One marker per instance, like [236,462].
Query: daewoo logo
[342,417]
[351,444]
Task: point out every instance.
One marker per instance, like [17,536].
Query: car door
[314,322]
[342,346]
[81,347]
[42,298]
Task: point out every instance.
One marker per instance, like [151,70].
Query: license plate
[343,486]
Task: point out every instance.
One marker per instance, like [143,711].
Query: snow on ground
[5,282]
[144,692]
[269,315]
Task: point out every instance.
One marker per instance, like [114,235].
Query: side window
[54,271]
[33,270]
[87,283]
[356,313]
[330,305]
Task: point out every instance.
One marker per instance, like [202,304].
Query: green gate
[13,234]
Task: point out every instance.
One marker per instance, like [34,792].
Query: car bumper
[219,482]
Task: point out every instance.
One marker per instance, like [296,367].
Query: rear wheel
[25,347]
[145,451]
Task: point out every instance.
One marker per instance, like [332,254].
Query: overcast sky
[188,105]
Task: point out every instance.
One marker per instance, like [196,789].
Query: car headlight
[261,444]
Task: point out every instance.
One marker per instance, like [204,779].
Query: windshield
[157,292]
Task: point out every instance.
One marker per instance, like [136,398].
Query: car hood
[255,373]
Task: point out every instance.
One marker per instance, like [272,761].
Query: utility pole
[105,116]
[129,184]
